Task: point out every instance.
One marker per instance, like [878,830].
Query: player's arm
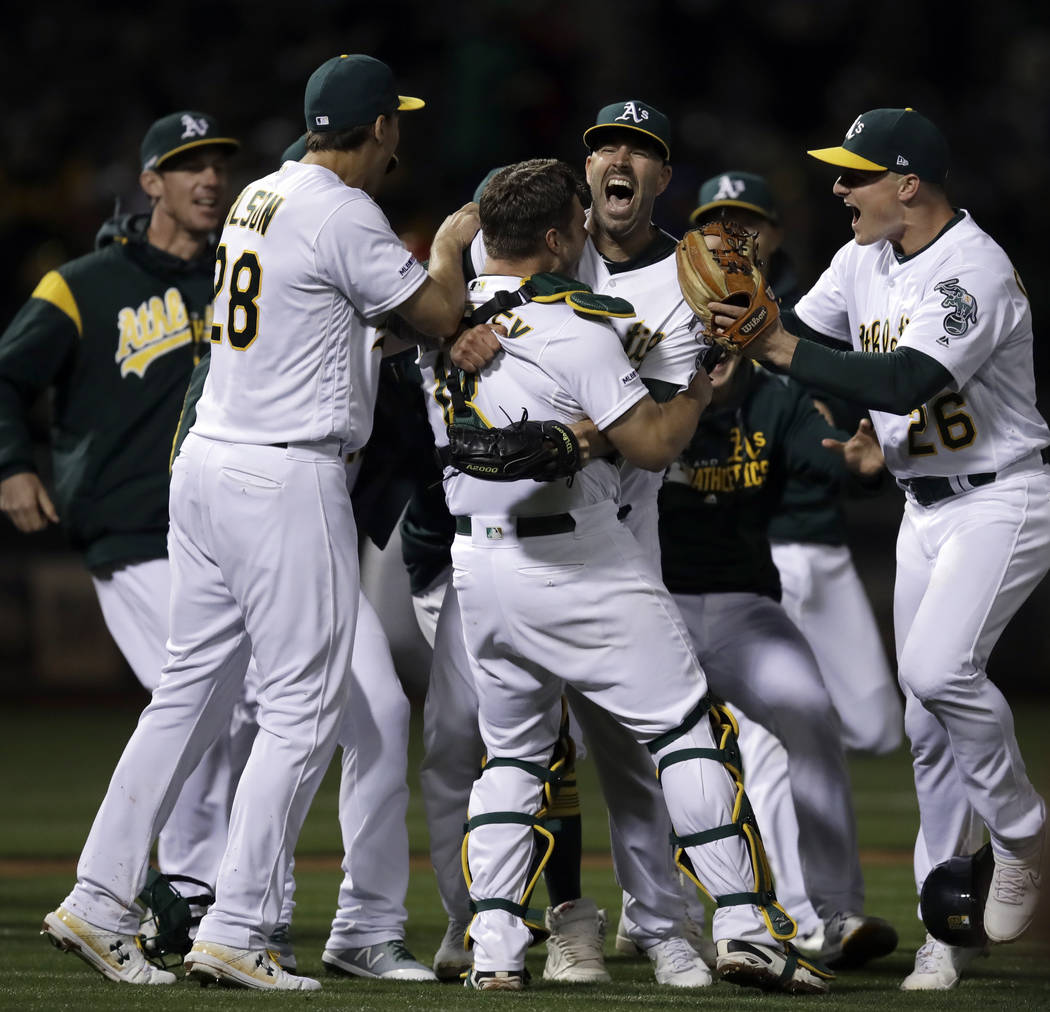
[650,434]
[435,308]
[594,443]
[897,381]
[33,349]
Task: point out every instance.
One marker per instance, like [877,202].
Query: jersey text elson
[258,212]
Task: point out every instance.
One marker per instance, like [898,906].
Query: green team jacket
[115,334]
[718,497]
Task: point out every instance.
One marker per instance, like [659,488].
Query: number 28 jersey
[960,301]
[304,269]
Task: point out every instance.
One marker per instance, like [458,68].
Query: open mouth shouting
[619,194]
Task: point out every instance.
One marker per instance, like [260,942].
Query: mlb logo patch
[629,378]
[321,120]
[406,267]
[494,533]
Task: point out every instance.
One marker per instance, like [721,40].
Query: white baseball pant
[825,598]
[755,658]
[964,567]
[135,602]
[583,608]
[263,552]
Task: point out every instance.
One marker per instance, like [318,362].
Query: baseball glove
[727,274]
[543,451]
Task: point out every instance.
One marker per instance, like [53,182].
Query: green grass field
[57,760]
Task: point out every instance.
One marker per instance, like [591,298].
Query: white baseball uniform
[662,342]
[552,588]
[966,561]
[262,543]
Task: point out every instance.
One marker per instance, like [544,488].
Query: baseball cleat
[1012,898]
[938,966]
[575,944]
[381,961]
[677,964]
[258,969]
[115,956]
[625,945]
[851,940]
[453,958]
[751,964]
[497,980]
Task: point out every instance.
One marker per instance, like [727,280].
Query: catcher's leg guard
[727,753]
[562,817]
[543,828]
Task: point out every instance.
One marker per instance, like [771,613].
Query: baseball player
[714,510]
[626,255]
[262,541]
[941,333]
[552,587]
[367,936]
[116,333]
[821,590]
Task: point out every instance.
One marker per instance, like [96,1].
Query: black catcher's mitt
[543,451]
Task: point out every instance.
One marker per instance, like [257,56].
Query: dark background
[747,86]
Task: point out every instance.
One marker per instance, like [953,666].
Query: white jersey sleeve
[825,307]
[382,273]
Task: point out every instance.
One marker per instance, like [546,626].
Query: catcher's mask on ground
[953,897]
[174,906]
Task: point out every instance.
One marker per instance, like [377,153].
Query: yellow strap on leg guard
[541,826]
[725,729]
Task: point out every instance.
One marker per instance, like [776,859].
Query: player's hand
[478,346]
[26,502]
[861,452]
[460,227]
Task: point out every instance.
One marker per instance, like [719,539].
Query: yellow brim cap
[846,159]
[406,102]
[731,203]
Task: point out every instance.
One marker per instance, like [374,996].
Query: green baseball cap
[180,131]
[901,140]
[351,90]
[631,115]
[737,189]
[295,151]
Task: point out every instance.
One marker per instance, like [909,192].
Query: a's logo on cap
[858,125]
[193,127]
[630,109]
[729,188]
[321,120]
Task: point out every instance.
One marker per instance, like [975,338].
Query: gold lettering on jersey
[744,446]
[639,341]
[155,328]
[516,327]
[878,336]
[262,205]
[723,477]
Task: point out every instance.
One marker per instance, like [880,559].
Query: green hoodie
[115,334]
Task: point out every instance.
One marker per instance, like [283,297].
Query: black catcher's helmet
[174,905]
[953,896]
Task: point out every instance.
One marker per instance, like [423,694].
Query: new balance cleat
[575,946]
[382,961]
[751,964]
[115,956]
[258,969]
[938,966]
